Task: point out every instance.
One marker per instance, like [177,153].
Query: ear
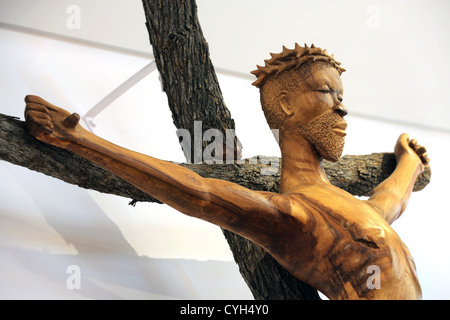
[285,103]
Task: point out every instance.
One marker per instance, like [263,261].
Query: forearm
[163,180]
[391,197]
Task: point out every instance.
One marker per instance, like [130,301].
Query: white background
[396,56]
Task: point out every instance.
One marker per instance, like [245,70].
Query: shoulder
[292,206]
[282,202]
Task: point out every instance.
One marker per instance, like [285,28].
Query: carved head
[301,94]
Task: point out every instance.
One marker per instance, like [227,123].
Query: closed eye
[324,91]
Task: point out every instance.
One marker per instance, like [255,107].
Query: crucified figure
[319,233]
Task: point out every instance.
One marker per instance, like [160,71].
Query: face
[315,111]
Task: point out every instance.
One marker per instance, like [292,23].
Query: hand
[406,148]
[49,123]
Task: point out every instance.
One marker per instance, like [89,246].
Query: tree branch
[358,175]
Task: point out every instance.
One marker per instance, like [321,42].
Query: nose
[338,106]
[340,109]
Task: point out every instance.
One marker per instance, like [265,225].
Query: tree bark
[187,74]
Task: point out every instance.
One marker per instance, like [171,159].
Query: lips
[339,128]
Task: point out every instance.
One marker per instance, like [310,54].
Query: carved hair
[293,59]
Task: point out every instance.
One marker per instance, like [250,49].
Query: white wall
[395,51]
[46,225]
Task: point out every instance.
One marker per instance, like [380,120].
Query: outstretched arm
[252,214]
[391,196]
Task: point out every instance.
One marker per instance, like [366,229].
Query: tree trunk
[182,56]
[187,73]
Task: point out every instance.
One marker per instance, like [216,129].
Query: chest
[345,227]
[350,239]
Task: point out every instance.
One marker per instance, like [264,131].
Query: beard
[319,133]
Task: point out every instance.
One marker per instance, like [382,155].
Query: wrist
[411,163]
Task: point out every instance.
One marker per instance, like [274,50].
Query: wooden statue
[321,234]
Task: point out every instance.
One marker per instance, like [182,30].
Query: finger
[37,128]
[36,122]
[31,99]
[45,129]
[36,106]
[404,138]
[33,107]
[420,150]
[33,114]
[424,155]
[71,121]
[35,99]
[413,143]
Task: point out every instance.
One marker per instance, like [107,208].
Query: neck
[301,165]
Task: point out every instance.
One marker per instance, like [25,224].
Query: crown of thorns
[292,59]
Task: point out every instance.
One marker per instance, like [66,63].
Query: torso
[348,242]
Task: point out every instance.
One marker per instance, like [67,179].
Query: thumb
[404,138]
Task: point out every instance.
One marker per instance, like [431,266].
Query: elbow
[389,205]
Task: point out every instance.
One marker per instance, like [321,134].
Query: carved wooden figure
[321,234]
